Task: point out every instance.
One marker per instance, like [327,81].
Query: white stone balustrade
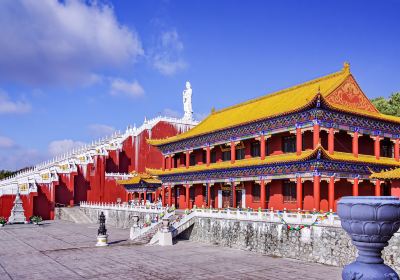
[149,208]
[269,216]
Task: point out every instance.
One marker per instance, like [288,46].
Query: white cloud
[172,113]
[167,56]
[8,106]
[67,42]
[122,87]
[58,147]
[6,143]
[19,158]
[100,130]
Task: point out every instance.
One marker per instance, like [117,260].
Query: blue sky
[73,71]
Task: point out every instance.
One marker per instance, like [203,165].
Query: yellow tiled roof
[390,174]
[279,103]
[287,157]
[139,177]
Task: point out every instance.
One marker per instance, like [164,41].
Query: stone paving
[63,250]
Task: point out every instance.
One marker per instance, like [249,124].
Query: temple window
[289,144]
[192,159]
[289,192]
[213,156]
[255,149]
[256,192]
[386,148]
[226,155]
[240,154]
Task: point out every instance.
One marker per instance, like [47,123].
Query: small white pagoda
[17,213]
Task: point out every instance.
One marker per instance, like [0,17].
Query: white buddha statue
[187,102]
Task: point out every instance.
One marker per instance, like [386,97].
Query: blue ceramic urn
[370,221]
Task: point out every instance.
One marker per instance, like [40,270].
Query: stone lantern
[370,221]
[102,235]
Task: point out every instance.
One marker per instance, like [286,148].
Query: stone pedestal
[165,238]
[102,240]
[134,227]
[370,222]
[17,213]
[164,235]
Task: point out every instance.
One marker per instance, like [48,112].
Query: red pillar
[396,149]
[208,155]
[377,147]
[163,163]
[187,159]
[233,152]
[262,147]
[317,184]
[145,197]
[316,130]
[331,141]
[331,193]
[52,201]
[299,141]
[377,188]
[355,144]
[169,162]
[263,195]
[163,195]
[208,194]
[187,197]
[355,187]
[169,195]
[299,192]
[233,195]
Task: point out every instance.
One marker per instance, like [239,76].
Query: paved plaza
[63,250]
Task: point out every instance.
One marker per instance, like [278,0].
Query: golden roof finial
[346,67]
[212,110]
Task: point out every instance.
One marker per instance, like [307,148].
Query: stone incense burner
[370,221]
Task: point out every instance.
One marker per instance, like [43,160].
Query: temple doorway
[226,198]
[239,198]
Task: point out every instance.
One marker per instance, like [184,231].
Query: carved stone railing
[149,208]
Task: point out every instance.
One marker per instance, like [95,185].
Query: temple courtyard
[63,250]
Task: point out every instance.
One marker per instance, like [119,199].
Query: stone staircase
[179,223]
[72,214]
[182,224]
[145,235]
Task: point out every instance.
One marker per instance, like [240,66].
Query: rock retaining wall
[321,244]
[116,218]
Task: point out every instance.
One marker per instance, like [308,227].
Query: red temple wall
[42,205]
[395,188]
[64,193]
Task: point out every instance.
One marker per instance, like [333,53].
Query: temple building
[111,169]
[302,147]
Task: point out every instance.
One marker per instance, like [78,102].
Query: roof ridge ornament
[346,67]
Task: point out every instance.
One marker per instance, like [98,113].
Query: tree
[390,106]
[5,174]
